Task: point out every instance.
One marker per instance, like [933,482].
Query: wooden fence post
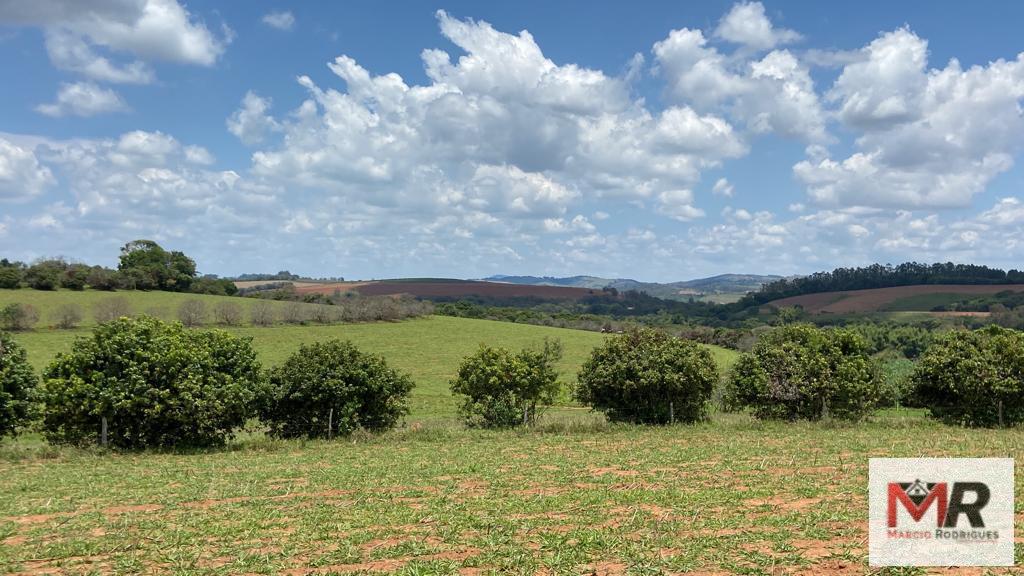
[103,431]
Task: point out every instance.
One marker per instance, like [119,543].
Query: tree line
[142,265]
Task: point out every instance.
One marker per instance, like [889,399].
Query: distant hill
[715,287]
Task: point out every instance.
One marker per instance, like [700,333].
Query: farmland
[411,346]
[434,287]
[572,495]
[919,298]
[428,348]
[575,496]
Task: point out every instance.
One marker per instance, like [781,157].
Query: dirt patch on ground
[598,472]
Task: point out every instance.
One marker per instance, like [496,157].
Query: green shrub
[800,372]
[329,388]
[45,274]
[156,383]
[10,277]
[648,377]
[17,382]
[974,378]
[502,390]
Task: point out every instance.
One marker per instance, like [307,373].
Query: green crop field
[728,496]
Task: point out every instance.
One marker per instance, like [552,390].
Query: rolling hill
[720,285]
[436,288]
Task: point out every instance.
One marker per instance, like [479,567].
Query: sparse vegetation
[192,313]
[262,313]
[227,313]
[111,308]
[67,316]
[294,313]
[16,316]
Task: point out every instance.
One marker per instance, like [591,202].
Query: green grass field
[574,495]
[430,349]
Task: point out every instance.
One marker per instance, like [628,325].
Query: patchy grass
[430,349]
[575,496]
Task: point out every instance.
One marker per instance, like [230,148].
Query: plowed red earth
[493,289]
[438,289]
[874,299]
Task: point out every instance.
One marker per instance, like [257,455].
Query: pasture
[573,495]
[429,348]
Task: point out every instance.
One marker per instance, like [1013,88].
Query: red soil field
[874,299]
[493,289]
[438,288]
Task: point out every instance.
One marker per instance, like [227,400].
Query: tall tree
[146,264]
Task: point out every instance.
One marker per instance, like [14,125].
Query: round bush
[502,390]
[648,377]
[331,388]
[17,383]
[156,383]
[802,372]
[974,378]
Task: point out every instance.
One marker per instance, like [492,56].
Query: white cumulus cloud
[83,99]
[21,175]
[927,138]
[77,32]
[747,24]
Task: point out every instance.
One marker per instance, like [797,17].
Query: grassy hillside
[722,289]
[159,304]
[428,348]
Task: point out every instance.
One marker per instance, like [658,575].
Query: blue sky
[388,139]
